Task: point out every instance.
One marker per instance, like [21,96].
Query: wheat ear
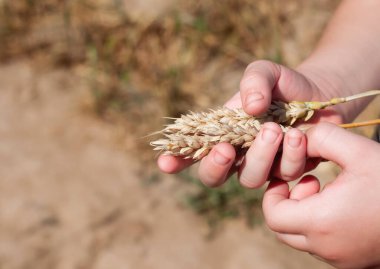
[194,134]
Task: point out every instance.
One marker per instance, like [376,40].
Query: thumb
[335,144]
[264,80]
[257,84]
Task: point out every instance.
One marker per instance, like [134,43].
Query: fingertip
[295,133]
[225,149]
[172,164]
[273,126]
[276,191]
[310,179]
[256,86]
[255,103]
[306,187]
[166,164]
[295,141]
[215,167]
[278,187]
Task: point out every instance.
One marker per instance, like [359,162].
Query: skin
[346,61]
[340,224]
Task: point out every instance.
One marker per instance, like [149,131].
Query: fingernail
[221,159]
[294,142]
[269,136]
[252,98]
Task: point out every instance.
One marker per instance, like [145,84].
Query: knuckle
[292,157]
[210,182]
[251,82]
[290,175]
[209,177]
[291,170]
[322,132]
[250,183]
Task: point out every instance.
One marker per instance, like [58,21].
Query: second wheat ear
[193,135]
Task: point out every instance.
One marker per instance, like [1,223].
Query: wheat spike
[193,135]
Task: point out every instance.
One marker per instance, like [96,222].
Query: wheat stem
[361,95]
[360,124]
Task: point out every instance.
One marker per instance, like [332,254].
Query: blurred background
[82,81]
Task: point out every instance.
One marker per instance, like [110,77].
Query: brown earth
[71,197]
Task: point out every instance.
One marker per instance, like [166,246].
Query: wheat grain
[193,135]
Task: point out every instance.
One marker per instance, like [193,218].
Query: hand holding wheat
[262,82]
[192,136]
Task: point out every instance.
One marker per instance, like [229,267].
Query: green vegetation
[226,202]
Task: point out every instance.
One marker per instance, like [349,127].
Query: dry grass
[141,66]
[188,55]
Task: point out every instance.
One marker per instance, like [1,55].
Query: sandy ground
[70,197]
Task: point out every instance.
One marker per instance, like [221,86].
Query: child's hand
[262,82]
[341,224]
